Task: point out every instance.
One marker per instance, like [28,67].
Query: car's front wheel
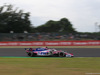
[61,54]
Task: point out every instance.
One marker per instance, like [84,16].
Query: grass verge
[49,66]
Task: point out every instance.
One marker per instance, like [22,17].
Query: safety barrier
[51,43]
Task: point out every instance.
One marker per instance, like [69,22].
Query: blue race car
[47,52]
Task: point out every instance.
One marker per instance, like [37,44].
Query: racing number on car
[41,53]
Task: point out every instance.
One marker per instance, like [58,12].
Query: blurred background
[16,25]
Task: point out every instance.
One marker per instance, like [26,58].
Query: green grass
[49,66]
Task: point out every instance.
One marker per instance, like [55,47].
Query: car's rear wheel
[29,54]
[33,54]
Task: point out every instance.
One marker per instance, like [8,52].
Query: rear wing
[28,49]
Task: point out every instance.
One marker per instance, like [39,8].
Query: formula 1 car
[47,52]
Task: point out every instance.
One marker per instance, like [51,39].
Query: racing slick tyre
[33,54]
[29,54]
[72,56]
[61,54]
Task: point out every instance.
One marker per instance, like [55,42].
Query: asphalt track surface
[78,52]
